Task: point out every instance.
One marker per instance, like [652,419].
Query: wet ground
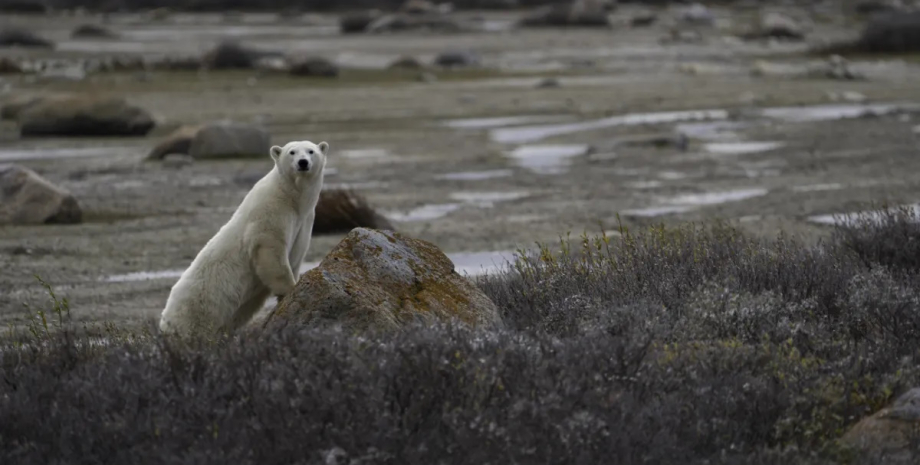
[481,162]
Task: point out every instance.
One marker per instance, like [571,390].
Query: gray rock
[27,198]
[230,140]
[233,55]
[697,14]
[888,433]
[897,32]
[383,280]
[777,26]
[457,59]
[23,38]
[84,115]
[93,31]
[580,13]
[314,66]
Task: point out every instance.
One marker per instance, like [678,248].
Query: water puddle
[850,219]
[474,175]
[547,159]
[690,202]
[425,212]
[740,148]
[525,134]
[832,112]
[714,198]
[469,263]
[711,131]
[817,187]
[488,123]
[487,199]
[54,154]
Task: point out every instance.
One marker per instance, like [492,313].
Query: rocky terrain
[485,138]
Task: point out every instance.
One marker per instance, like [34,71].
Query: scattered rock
[697,15]
[341,210]
[177,160]
[581,13]
[179,142]
[892,33]
[872,7]
[418,7]
[846,96]
[93,31]
[777,26]
[21,38]
[457,59]
[352,23]
[27,198]
[402,22]
[548,83]
[890,432]
[83,115]
[314,66]
[383,280]
[227,139]
[9,66]
[643,19]
[406,62]
[233,55]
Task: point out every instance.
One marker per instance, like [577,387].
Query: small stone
[549,83]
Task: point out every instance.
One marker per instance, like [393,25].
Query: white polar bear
[258,252]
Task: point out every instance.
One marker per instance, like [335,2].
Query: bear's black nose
[303,164]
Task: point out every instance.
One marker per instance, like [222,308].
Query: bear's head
[300,158]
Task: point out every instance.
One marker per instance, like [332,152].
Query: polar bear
[258,252]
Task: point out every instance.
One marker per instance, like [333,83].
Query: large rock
[892,33]
[93,31]
[777,26]
[383,280]
[17,104]
[402,22]
[314,66]
[228,139]
[352,23]
[80,115]
[889,433]
[341,210]
[179,142]
[581,13]
[27,198]
[233,55]
[22,38]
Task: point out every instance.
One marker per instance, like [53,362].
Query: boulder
[401,22]
[9,66]
[406,62]
[233,55]
[227,139]
[314,66]
[352,23]
[889,433]
[777,26]
[93,31]
[22,38]
[84,115]
[341,210]
[13,107]
[457,59]
[580,13]
[179,142]
[383,280]
[27,198]
[418,7]
[892,33]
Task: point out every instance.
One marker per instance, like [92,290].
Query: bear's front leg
[273,268]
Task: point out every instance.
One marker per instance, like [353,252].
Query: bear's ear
[275,152]
[323,147]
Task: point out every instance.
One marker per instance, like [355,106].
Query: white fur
[258,252]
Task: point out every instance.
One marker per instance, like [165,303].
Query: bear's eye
[291,153]
[310,151]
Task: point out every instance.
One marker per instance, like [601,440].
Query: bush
[685,346]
